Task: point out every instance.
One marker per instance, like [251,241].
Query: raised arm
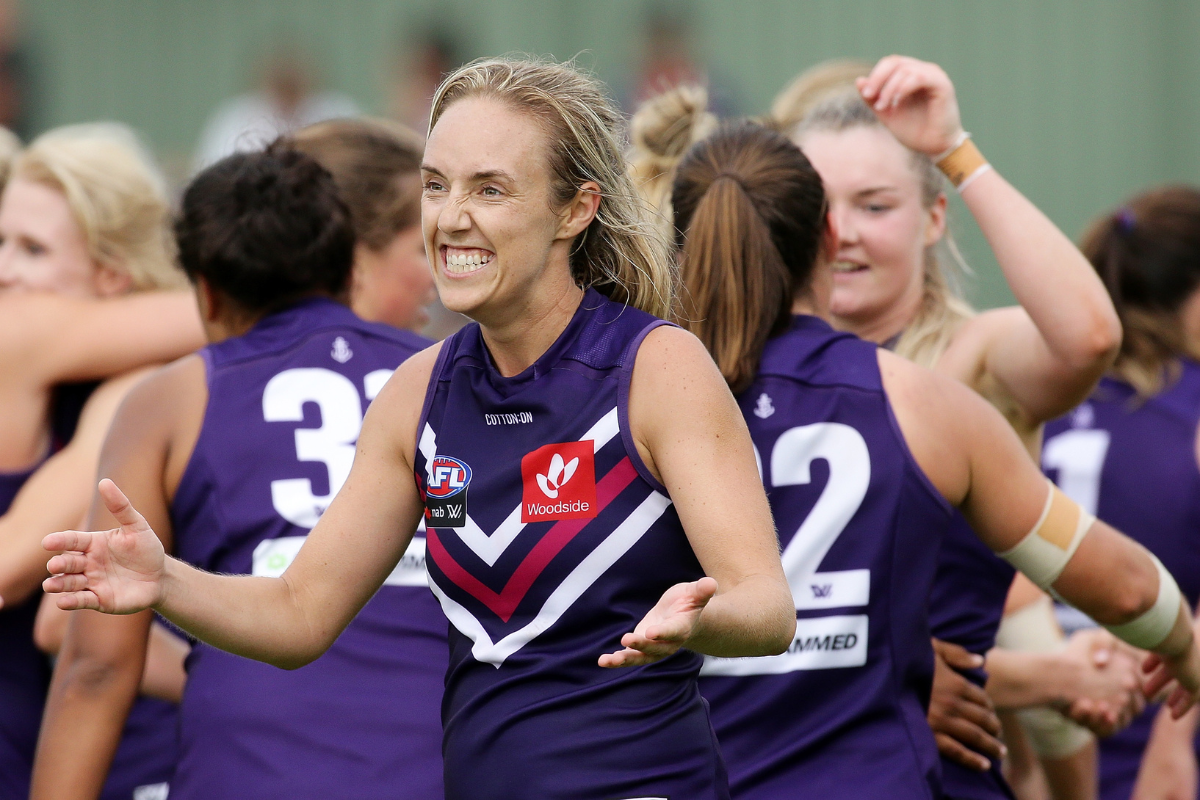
[55,339]
[691,435]
[1048,354]
[58,494]
[976,460]
[287,621]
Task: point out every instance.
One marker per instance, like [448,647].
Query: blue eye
[491,191]
[433,186]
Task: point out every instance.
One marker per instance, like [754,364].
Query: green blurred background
[1078,102]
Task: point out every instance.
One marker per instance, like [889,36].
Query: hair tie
[1126,219]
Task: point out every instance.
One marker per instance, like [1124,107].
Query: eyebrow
[486,175]
[874,190]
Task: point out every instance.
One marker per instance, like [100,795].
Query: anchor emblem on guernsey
[765,407]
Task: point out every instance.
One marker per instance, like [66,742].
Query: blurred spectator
[286,102]
[418,71]
[14,71]
[668,60]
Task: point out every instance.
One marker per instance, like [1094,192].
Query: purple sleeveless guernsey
[842,713]
[24,676]
[1133,463]
[548,540]
[285,405]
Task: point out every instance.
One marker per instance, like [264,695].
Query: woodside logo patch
[558,481]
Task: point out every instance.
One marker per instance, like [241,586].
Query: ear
[208,300]
[936,228]
[110,282]
[580,211]
[829,239]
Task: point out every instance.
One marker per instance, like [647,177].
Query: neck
[522,339]
[882,327]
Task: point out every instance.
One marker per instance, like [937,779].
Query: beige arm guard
[1034,629]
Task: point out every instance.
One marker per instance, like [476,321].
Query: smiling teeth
[466,262]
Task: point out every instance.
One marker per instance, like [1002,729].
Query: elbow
[93,675]
[49,631]
[1127,603]
[1096,350]
[302,656]
[783,628]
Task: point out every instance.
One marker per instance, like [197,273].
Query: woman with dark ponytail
[864,455]
[1130,451]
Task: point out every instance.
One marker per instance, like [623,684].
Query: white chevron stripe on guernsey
[597,562]
[490,548]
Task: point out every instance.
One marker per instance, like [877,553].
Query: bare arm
[1168,770]
[163,676]
[1048,354]
[58,494]
[83,339]
[287,621]
[102,659]
[691,435]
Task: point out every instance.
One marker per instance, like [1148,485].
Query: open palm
[666,627]
[118,571]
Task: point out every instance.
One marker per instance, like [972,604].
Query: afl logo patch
[446,493]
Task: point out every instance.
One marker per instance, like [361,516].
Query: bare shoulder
[671,353]
[934,413]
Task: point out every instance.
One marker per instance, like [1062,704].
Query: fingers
[67,540]
[56,584]
[703,590]
[626,658]
[1180,702]
[951,748]
[67,562]
[74,601]
[870,86]
[957,656]
[119,506]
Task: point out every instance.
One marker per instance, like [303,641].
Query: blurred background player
[83,221]
[875,149]
[207,447]
[900,446]
[377,168]
[286,101]
[1129,453]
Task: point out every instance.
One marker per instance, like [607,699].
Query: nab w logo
[446,493]
[822,591]
[558,481]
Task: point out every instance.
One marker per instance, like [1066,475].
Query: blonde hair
[10,148]
[116,196]
[943,309]
[621,253]
[662,130]
[811,87]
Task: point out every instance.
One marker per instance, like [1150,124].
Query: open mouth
[465,260]
[848,267]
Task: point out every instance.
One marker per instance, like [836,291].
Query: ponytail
[749,212]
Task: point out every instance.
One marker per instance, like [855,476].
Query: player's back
[285,406]
[842,713]
[1132,462]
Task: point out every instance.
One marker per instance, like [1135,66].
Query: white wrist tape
[1044,552]
[1150,629]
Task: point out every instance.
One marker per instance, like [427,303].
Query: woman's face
[495,239]
[393,284]
[882,227]
[42,248]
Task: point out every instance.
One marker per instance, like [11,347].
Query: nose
[843,225]
[453,216]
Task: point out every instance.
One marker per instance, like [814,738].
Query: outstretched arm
[77,339]
[287,621]
[1048,354]
[691,434]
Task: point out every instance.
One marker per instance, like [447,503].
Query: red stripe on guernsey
[562,532]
